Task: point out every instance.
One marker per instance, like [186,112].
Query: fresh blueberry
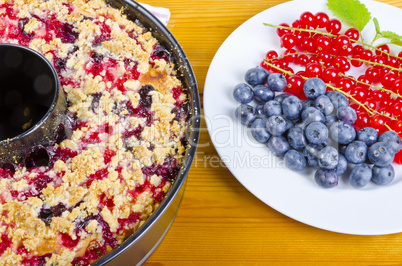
[381,154]
[330,119]
[393,139]
[360,175]
[259,111]
[291,107]
[294,160]
[258,130]
[314,87]
[289,124]
[276,125]
[296,138]
[383,175]
[301,125]
[243,93]
[356,152]
[278,145]
[277,82]
[342,148]
[312,114]
[368,135]
[281,97]
[326,178]
[262,93]
[347,114]
[342,132]
[342,165]
[307,103]
[324,104]
[272,107]
[311,153]
[337,99]
[328,158]
[256,75]
[245,113]
[316,133]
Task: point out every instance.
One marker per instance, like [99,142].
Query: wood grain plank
[219,221]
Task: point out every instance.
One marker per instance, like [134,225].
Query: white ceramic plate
[372,210]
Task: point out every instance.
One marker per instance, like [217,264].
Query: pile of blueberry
[317,132]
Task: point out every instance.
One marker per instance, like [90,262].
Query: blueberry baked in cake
[72,202]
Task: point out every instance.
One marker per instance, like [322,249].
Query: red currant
[353,34]
[363,120]
[265,65]
[288,40]
[283,31]
[378,123]
[366,54]
[308,19]
[397,109]
[364,82]
[290,55]
[378,60]
[289,69]
[341,63]
[323,43]
[398,129]
[308,45]
[302,59]
[398,158]
[271,54]
[371,104]
[387,103]
[329,75]
[355,60]
[295,84]
[334,26]
[381,49]
[377,95]
[397,86]
[359,93]
[373,74]
[324,57]
[388,79]
[321,19]
[313,59]
[392,61]
[345,84]
[357,49]
[341,42]
[313,70]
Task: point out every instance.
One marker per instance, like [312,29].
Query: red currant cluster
[314,42]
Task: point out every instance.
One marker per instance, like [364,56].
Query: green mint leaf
[350,11]
[377,26]
[391,35]
[395,38]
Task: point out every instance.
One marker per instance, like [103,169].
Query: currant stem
[331,35]
[373,63]
[370,85]
[299,29]
[369,110]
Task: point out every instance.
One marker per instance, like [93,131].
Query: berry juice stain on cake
[73,200]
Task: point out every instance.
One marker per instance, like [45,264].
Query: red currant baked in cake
[72,202]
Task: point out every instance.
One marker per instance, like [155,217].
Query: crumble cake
[72,202]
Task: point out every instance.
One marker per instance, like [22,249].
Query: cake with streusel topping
[123,142]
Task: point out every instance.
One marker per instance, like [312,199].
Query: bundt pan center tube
[32,106]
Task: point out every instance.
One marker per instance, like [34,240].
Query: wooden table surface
[219,221]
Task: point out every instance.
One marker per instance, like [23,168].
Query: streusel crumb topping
[122,144]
